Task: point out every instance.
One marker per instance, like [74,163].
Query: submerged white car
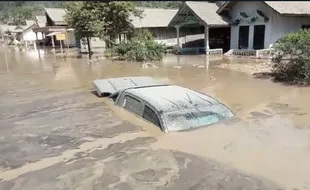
[169,107]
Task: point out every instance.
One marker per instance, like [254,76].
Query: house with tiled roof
[247,25]
[53,23]
[156,20]
[153,19]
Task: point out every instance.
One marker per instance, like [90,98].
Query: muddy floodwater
[56,134]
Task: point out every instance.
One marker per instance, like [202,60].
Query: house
[41,21]
[259,24]
[28,35]
[52,25]
[11,31]
[156,21]
[212,31]
[245,25]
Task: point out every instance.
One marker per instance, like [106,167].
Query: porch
[49,36]
[199,29]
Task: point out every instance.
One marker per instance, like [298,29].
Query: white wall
[250,8]
[29,35]
[275,28]
[284,25]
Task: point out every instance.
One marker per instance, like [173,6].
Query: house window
[307,27]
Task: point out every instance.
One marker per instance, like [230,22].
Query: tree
[115,19]
[20,14]
[100,19]
[83,18]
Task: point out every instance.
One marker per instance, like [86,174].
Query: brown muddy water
[269,136]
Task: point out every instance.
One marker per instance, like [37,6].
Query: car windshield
[196,117]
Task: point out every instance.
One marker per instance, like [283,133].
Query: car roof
[168,98]
[112,85]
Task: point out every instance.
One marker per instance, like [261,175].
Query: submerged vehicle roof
[182,108]
[112,85]
[168,98]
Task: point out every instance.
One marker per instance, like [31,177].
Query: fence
[263,53]
[217,51]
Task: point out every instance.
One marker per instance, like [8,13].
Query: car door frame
[121,98]
[143,103]
[161,123]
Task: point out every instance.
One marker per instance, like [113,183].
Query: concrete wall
[168,36]
[250,8]
[71,39]
[284,25]
[275,28]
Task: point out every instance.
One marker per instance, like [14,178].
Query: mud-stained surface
[246,65]
[55,134]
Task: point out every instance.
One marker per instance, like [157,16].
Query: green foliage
[82,17]
[16,12]
[142,47]
[20,14]
[292,58]
[101,19]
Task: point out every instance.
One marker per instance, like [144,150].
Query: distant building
[11,31]
[28,35]
[54,24]
[156,21]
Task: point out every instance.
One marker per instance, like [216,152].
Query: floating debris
[148,65]
[177,67]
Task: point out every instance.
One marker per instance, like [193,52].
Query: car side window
[150,115]
[132,104]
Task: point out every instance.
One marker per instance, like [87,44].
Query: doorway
[259,37]
[243,37]
[220,38]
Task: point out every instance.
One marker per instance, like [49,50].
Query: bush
[291,57]
[142,47]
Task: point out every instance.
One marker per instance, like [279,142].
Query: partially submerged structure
[28,36]
[54,24]
[156,21]
[246,27]
[212,30]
